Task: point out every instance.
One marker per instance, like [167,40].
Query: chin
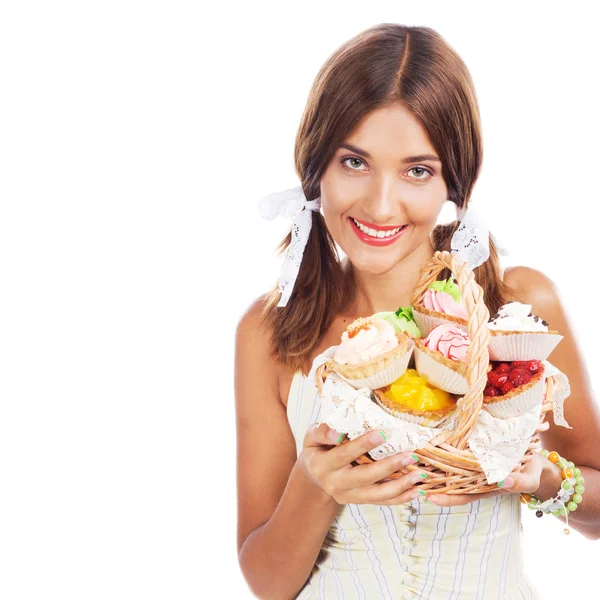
[373,265]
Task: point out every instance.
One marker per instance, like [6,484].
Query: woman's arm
[283,517]
[581,444]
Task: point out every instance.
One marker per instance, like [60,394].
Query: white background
[135,140]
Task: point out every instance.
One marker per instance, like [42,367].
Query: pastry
[513,388]
[517,334]
[413,398]
[441,303]
[441,358]
[402,321]
[371,354]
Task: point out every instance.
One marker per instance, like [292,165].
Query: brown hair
[387,63]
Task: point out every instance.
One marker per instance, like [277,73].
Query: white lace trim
[498,444]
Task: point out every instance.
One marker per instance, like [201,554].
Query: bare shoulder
[531,286]
[253,346]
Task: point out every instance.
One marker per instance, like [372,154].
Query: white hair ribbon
[471,239]
[292,204]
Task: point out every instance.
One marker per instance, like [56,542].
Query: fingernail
[506,483]
[424,475]
[376,436]
[422,492]
[333,435]
[415,456]
[408,460]
[340,438]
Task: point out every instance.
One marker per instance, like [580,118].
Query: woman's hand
[328,465]
[527,481]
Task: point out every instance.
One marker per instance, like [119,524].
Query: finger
[526,481]
[321,435]
[378,471]
[349,451]
[379,493]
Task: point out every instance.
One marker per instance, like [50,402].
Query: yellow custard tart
[413,398]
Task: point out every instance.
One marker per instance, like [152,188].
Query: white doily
[292,204]
[498,444]
[471,239]
[561,392]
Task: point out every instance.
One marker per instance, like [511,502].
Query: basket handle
[478,357]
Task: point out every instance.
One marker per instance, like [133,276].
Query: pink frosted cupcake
[441,303]
[441,358]
[517,334]
[371,354]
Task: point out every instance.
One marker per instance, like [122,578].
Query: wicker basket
[452,466]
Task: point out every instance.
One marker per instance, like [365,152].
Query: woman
[391,132]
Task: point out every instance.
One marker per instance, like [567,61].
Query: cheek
[423,214]
[334,205]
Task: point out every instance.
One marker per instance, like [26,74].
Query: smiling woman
[401,188]
[390,134]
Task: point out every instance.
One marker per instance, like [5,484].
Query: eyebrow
[408,159]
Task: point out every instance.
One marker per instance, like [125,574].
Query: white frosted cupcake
[371,354]
[441,303]
[517,334]
[441,358]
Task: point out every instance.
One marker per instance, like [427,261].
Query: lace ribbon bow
[292,204]
[471,239]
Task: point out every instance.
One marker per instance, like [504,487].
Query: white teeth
[376,233]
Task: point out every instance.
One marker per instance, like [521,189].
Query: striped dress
[414,550]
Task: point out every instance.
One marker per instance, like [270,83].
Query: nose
[383,206]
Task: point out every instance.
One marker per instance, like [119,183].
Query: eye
[421,170]
[354,158]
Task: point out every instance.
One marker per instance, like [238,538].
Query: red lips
[374,241]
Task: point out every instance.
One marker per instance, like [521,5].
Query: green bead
[532,506]
[572,506]
[562,463]
[566,484]
[579,489]
[577,498]
[570,464]
[579,480]
[544,452]
[560,511]
[576,472]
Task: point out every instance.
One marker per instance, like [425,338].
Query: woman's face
[390,178]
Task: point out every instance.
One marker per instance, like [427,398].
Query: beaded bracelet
[561,504]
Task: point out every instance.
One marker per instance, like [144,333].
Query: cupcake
[441,303]
[441,358]
[371,354]
[517,334]
[513,388]
[414,399]
[402,321]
